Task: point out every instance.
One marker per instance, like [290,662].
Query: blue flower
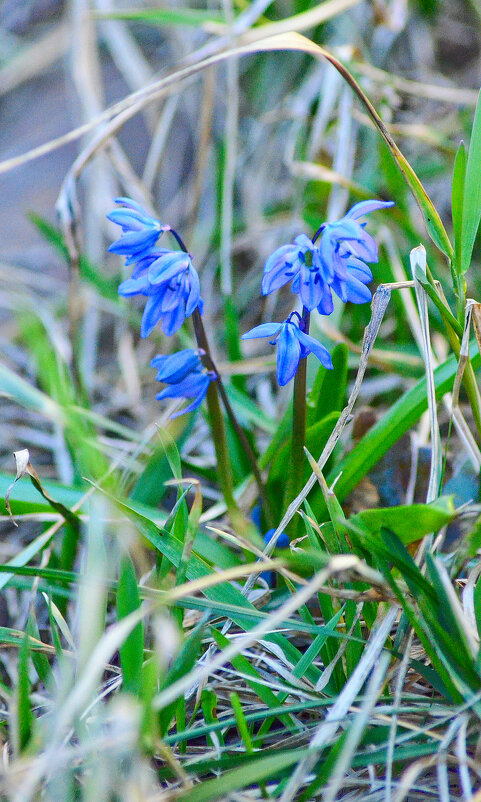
[293,344]
[283,542]
[336,264]
[185,376]
[176,367]
[140,232]
[174,292]
[171,284]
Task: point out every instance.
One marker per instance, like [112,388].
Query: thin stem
[218,430]
[204,344]
[179,239]
[295,481]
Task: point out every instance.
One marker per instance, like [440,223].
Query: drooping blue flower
[173,368]
[140,232]
[345,245]
[336,264]
[174,292]
[170,282]
[185,376]
[293,344]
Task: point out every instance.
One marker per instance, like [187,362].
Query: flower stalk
[298,436]
[203,343]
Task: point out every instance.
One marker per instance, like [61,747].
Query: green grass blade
[132,650]
[403,414]
[472,192]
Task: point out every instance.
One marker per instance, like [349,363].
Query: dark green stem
[296,474]
[203,343]
[218,429]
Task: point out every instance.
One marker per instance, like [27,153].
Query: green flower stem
[298,438]
[218,385]
[217,421]
[218,429]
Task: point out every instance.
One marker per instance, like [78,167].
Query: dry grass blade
[418,263]
[32,59]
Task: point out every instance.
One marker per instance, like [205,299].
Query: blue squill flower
[185,376]
[140,232]
[293,344]
[170,282]
[174,292]
[336,264]
[344,248]
[176,367]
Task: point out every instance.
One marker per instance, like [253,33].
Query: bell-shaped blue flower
[185,376]
[336,264]
[344,248]
[140,232]
[293,344]
[174,292]
[170,282]
[176,367]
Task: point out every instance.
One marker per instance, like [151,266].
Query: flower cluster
[337,264]
[171,285]
[167,278]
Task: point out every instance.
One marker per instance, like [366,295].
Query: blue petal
[283,255]
[359,270]
[159,360]
[192,300]
[316,348]
[356,291]
[173,320]
[168,265]
[310,288]
[127,219]
[151,316]
[133,286]
[365,247]
[143,264]
[135,242]
[365,207]
[339,287]
[288,353]
[190,387]
[326,304]
[264,330]
[304,242]
[176,367]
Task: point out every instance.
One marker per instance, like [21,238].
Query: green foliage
[172,670]
[132,649]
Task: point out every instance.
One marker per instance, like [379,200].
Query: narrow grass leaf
[23,717]
[457,203]
[472,192]
[132,649]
